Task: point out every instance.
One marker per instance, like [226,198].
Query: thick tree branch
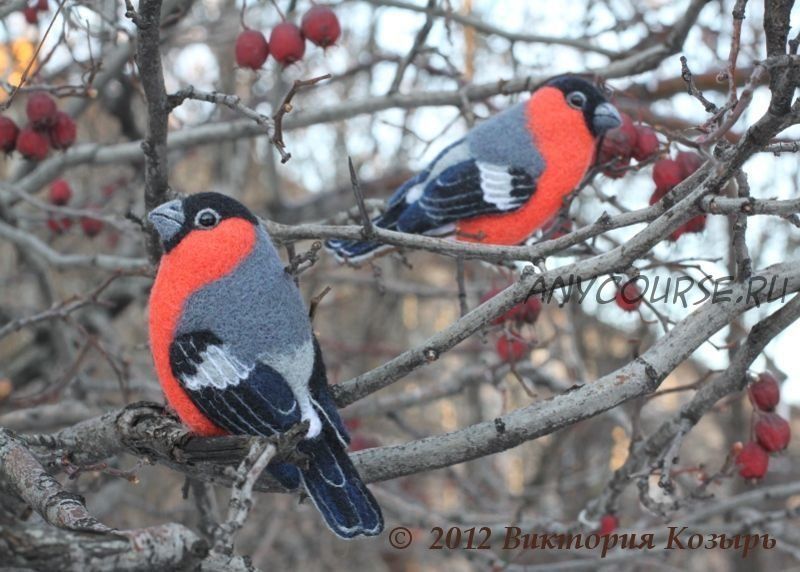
[22,473]
[151,74]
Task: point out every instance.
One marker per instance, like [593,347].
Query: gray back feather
[505,140]
[256,309]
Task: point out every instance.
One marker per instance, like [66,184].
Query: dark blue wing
[256,400]
[398,198]
[242,400]
[322,398]
[465,190]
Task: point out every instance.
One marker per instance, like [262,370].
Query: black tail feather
[357,250]
[336,488]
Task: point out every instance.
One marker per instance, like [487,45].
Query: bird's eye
[576,99]
[206,218]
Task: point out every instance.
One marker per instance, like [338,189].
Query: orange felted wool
[195,262]
[235,353]
[507,177]
[566,161]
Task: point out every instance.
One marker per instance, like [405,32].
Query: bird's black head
[581,94]
[174,220]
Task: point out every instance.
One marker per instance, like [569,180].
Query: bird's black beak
[606,117]
[168,219]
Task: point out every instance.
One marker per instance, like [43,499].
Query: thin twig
[286,107]
[692,89]
[367,228]
[257,459]
[32,61]
[419,42]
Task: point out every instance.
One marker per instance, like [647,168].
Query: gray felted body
[258,311]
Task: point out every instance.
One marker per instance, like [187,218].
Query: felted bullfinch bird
[507,177]
[235,353]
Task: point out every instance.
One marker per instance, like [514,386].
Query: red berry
[657,195]
[752,461]
[287,43]
[42,6]
[696,224]
[617,168]
[616,144]
[361,442]
[773,432]
[41,110]
[629,297]
[321,26]
[529,310]
[628,129]
[525,312]
[31,15]
[91,226]
[608,524]
[63,131]
[251,49]
[32,144]
[557,227]
[677,233]
[764,392]
[60,192]
[59,225]
[511,349]
[688,162]
[352,424]
[503,318]
[666,174]
[617,148]
[646,143]
[8,134]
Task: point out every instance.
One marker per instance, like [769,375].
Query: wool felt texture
[200,258]
[502,181]
[567,159]
[241,357]
[264,404]
[193,204]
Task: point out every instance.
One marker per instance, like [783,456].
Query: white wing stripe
[218,368]
[414,193]
[497,184]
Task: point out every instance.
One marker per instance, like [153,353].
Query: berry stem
[280,13]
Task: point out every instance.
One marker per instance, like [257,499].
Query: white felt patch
[414,193]
[497,184]
[296,367]
[219,368]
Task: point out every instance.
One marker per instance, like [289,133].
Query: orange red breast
[199,259]
[567,147]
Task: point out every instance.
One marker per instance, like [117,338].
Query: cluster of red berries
[31,11]
[669,172]
[60,195]
[771,431]
[511,347]
[287,42]
[48,127]
[629,141]
[626,142]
